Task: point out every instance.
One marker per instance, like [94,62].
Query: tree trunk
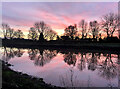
[107,33]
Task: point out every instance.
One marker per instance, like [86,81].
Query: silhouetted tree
[50,34]
[58,38]
[71,31]
[11,33]
[94,27]
[110,23]
[19,34]
[83,25]
[40,27]
[41,38]
[46,30]
[32,34]
[5,28]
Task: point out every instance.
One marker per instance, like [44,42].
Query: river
[66,68]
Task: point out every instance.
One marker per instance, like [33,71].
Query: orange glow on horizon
[59,31]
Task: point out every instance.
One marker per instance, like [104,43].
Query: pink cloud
[58,16]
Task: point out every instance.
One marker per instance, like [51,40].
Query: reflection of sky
[56,69]
[58,15]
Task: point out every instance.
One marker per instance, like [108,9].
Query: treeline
[93,30]
[40,31]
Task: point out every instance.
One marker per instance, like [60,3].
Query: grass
[13,80]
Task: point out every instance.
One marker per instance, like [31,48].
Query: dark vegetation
[17,80]
[61,44]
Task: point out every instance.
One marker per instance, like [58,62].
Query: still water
[66,68]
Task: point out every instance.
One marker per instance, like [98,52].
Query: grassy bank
[109,47]
[59,43]
[13,80]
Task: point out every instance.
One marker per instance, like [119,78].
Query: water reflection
[93,62]
[70,58]
[41,57]
[9,53]
[69,79]
[105,65]
[107,68]
[82,61]
[73,80]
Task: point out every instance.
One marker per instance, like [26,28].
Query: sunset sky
[23,15]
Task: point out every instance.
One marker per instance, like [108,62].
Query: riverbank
[59,43]
[12,80]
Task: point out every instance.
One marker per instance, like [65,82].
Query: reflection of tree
[102,63]
[11,53]
[18,53]
[70,58]
[118,70]
[41,57]
[32,53]
[69,80]
[108,69]
[81,63]
[92,62]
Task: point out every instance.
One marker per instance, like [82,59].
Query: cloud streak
[57,14]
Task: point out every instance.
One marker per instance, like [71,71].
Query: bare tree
[11,33]
[71,31]
[94,27]
[50,34]
[110,23]
[5,28]
[46,30]
[40,27]
[83,25]
[32,34]
[19,34]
